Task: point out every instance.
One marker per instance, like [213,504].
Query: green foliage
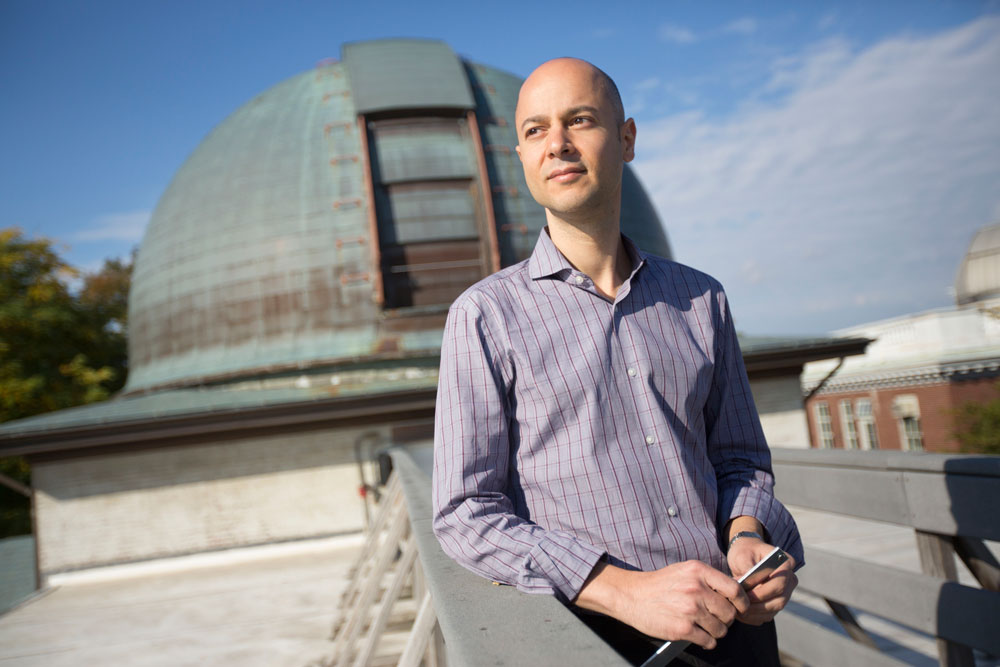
[59,347]
[977,426]
[15,509]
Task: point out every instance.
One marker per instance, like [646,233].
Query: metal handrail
[949,501]
[485,624]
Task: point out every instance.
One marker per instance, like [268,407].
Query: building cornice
[378,409]
[927,374]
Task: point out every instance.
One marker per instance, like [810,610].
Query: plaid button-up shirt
[570,427]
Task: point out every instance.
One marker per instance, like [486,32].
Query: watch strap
[744,533]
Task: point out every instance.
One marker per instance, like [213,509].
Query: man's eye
[531,131]
[580,120]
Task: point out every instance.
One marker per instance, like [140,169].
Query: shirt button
[650,439]
[672,511]
[578,279]
[631,372]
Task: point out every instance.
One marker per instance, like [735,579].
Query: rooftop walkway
[269,606]
[274,605]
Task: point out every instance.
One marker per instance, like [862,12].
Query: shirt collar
[546,260]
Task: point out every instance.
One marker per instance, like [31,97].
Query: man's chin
[570,207]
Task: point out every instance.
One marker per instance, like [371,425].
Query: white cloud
[649,84]
[676,34]
[127,226]
[743,26]
[827,21]
[852,197]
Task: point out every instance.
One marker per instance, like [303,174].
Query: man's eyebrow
[533,119]
[582,107]
[569,112]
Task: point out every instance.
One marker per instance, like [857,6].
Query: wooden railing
[951,502]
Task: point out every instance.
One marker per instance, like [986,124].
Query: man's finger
[721,608]
[711,624]
[728,588]
[698,636]
[781,584]
[761,612]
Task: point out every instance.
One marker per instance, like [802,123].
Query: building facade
[903,393]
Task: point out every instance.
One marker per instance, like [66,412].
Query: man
[595,436]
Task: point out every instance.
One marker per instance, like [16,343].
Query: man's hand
[688,601]
[771,595]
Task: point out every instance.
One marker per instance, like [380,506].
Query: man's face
[570,142]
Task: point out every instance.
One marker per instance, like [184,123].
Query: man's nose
[559,143]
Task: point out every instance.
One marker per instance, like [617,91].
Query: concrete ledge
[953,464]
[484,624]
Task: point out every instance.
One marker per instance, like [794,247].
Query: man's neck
[596,250]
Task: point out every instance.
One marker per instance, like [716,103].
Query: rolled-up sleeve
[737,447]
[474,517]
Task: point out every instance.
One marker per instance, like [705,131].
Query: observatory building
[287,309]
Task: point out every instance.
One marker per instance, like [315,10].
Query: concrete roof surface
[274,605]
[271,608]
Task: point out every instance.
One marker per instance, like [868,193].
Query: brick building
[902,393]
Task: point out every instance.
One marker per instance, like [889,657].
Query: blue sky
[828,162]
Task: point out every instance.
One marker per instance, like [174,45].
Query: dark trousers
[743,645]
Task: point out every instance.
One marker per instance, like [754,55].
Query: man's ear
[627,135]
[517,148]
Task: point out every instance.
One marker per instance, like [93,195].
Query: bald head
[560,67]
[573,141]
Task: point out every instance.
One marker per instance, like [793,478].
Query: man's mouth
[566,174]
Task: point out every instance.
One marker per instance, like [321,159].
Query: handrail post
[937,559]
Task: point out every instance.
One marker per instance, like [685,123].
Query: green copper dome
[331,220]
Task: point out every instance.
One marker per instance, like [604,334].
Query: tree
[104,301]
[15,509]
[58,347]
[977,426]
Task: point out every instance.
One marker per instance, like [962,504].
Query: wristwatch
[743,533]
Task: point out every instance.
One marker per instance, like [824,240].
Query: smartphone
[763,569]
[755,575]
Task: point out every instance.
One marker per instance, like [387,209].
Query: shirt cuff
[559,563]
[775,517]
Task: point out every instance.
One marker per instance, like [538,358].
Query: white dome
[979,273]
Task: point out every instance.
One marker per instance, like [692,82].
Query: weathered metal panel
[256,253]
[405,74]
[423,274]
[421,148]
[518,217]
[424,212]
